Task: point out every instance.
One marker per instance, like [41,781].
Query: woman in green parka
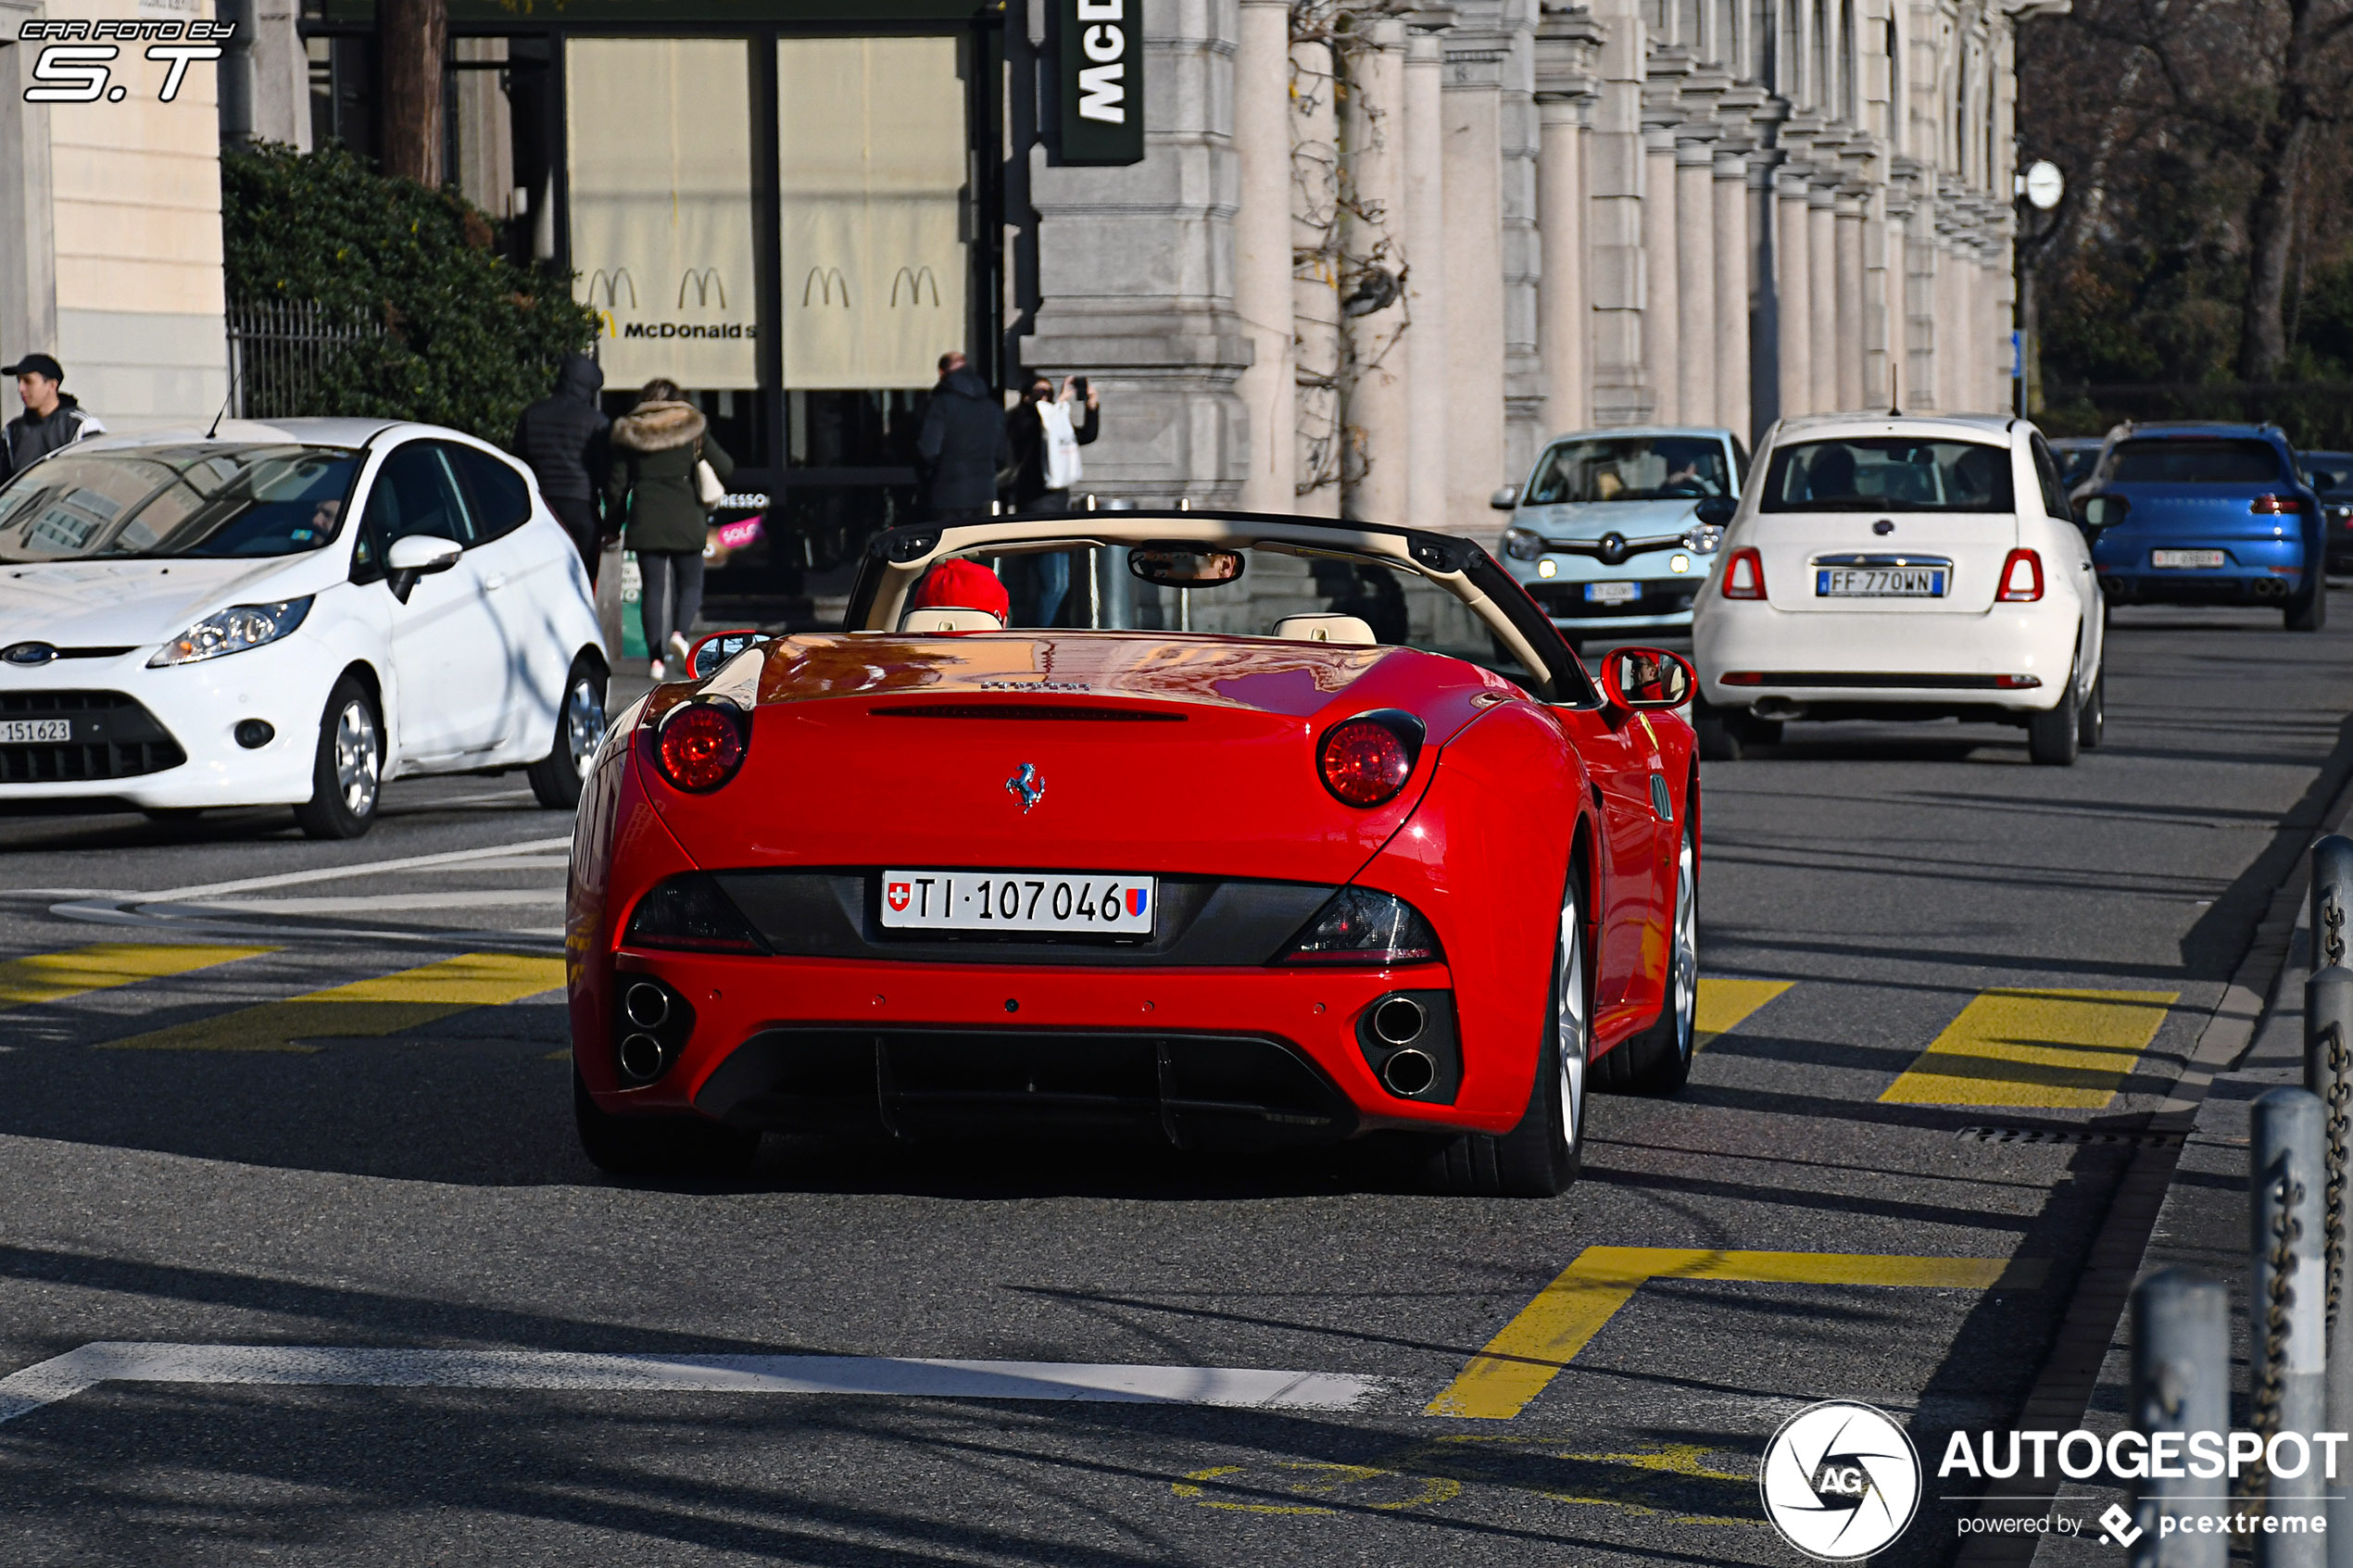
[655,449]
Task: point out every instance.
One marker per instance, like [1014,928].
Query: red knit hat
[963,584]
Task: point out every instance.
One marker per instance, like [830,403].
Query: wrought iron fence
[286,355]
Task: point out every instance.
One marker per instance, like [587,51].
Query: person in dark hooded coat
[566,439]
[961,444]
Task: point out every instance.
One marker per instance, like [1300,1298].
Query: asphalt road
[199,1149]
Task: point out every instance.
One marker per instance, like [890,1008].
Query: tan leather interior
[949,617]
[1324,629]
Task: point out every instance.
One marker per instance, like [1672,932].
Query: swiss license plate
[1017,901]
[2190,559]
[1879,582]
[32,732]
[1612,593]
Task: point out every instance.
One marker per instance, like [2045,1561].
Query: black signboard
[1099,80]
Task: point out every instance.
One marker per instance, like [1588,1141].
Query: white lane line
[550,898]
[364,868]
[76,1372]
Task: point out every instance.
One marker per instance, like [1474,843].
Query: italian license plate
[32,732]
[1612,593]
[1017,901]
[2189,559]
[1879,582]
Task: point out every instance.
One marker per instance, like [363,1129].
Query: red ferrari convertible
[1223,828]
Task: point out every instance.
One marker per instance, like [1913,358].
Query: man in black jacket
[51,419]
[566,440]
[962,444]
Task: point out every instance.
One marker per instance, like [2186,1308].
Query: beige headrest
[1324,629]
[948,618]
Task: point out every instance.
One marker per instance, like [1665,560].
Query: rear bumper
[1847,664]
[2255,571]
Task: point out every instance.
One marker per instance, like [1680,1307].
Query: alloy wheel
[584,722]
[1685,959]
[1568,1018]
[358,758]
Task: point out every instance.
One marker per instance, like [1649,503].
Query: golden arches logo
[915,278]
[612,283]
[706,282]
[821,284]
[609,327]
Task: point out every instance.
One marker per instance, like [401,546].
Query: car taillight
[700,746]
[2022,578]
[1360,926]
[691,911]
[1741,678]
[2274,506]
[1744,576]
[1366,760]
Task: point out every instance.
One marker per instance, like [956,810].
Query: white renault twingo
[1901,567]
[288,614]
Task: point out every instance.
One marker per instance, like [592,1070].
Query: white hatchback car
[1902,567]
[289,613]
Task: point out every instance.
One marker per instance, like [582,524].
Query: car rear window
[2192,461]
[1888,473]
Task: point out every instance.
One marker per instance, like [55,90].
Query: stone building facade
[1379,252]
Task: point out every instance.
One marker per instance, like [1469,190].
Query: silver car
[1615,530]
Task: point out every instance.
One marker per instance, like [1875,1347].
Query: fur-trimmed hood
[658,427]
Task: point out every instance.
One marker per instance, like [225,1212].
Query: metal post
[2180,1383]
[2331,898]
[2328,1072]
[2287,1314]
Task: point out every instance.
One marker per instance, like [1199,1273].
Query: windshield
[164,501]
[1092,586]
[2178,460]
[1888,473]
[1631,467]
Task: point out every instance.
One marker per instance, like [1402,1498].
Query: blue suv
[2206,514]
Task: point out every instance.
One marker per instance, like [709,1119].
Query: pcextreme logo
[76,63]
[1840,1480]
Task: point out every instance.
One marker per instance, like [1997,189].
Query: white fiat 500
[288,614]
[1901,568]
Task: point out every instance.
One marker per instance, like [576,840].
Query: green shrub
[467,338]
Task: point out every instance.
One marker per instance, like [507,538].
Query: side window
[1739,465]
[415,493]
[501,498]
[2046,475]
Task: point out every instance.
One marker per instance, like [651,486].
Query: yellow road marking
[390,1004]
[1323,1478]
[1724,1005]
[2058,1049]
[52,977]
[1530,1352]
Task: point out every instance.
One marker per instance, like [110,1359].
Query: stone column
[1426,277]
[1261,251]
[1379,417]
[1849,238]
[1517,146]
[1315,157]
[1662,345]
[1474,218]
[1616,284]
[1732,252]
[1698,387]
[1792,243]
[28,205]
[1560,206]
[1822,273]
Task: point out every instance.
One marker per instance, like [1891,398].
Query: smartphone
[1081,382]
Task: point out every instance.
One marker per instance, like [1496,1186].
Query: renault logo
[1027,785]
[29,654]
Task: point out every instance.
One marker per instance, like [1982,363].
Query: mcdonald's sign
[612,283]
[1099,78]
[706,282]
[820,285]
[915,278]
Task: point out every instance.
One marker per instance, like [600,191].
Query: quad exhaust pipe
[1408,1072]
[1399,1020]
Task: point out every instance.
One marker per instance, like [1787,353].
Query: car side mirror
[2096,512]
[1716,510]
[415,556]
[1640,678]
[708,653]
[1504,499]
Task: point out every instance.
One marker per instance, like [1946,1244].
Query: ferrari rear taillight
[1366,760]
[1744,575]
[2022,578]
[700,745]
[1361,926]
[2274,506]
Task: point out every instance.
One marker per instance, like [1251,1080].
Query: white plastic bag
[1061,445]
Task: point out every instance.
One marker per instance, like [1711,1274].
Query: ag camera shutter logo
[1840,1480]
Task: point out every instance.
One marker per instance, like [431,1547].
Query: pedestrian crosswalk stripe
[54,977]
[2060,1050]
[1515,1366]
[1724,1005]
[390,1004]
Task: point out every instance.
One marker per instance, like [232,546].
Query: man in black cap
[51,419]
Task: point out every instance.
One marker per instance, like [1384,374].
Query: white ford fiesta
[288,614]
[1901,567]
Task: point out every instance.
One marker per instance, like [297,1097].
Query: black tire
[1727,734]
[557,778]
[660,1146]
[1541,1156]
[2051,736]
[346,774]
[1659,1060]
[2308,611]
[2091,725]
